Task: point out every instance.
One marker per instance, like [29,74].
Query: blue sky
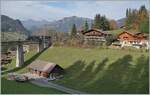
[54,10]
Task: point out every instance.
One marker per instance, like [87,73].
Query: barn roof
[43,66]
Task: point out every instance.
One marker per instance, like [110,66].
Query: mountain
[66,23]
[10,25]
[34,25]
[62,25]
[120,22]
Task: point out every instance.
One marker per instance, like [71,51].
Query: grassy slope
[12,87]
[117,31]
[101,70]
[66,56]
[90,70]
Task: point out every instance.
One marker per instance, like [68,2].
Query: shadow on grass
[111,79]
[119,77]
[26,63]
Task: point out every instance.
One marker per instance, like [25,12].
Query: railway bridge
[41,41]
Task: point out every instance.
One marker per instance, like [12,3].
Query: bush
[110,39]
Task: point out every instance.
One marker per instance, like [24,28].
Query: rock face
[10,25]
[62,25]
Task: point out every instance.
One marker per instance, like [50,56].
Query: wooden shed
[44,68]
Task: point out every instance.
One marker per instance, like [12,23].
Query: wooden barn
[132,39]
[43,68]
[95,34]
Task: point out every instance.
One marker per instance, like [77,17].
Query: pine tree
[127,13]
[97,21]
[73,31]
[143,12]
[104,23]
[92,25]
[86,27]
[130,17]
[100,22]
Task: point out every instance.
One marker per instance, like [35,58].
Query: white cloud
[31,10]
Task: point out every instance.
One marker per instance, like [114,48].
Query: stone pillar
[40,46]
[45,44]
[19,55]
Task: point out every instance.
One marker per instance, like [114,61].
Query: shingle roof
[42,66]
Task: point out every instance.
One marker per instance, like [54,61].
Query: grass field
[98,70]
[12,87]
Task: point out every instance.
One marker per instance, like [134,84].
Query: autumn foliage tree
[112,24]
[137,19]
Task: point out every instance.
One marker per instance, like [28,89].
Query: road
[45,83]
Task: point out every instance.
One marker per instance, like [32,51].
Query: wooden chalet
[43,68]
[95,34]
[131,39]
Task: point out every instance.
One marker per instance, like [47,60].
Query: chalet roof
[136,35]
[42,66]
[132,33]
[97,30]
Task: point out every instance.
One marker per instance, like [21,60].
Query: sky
[57,9]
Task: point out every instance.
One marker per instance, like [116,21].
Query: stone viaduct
[41,41]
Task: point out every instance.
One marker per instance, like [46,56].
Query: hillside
[62,25]
[10,25]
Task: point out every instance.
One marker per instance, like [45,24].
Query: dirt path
[45,83]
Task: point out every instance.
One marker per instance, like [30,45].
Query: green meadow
[94,70]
